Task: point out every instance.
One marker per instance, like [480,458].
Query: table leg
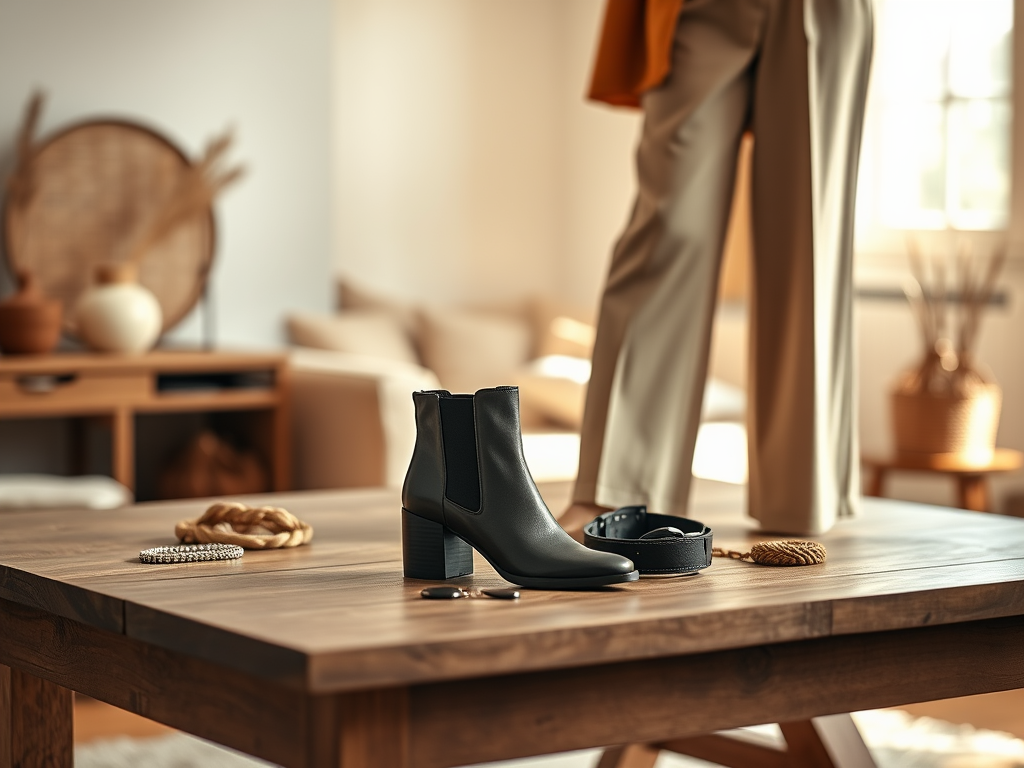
[281,448]
[826,742]
[876,482]
[973,493]
[371,731]
[123,439]
[629,756]
[36,722]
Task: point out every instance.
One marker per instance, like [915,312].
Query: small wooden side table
[119,387]
[970,476]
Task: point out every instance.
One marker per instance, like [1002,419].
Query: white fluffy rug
[896,739]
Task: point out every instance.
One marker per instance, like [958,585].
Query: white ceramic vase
[117,314]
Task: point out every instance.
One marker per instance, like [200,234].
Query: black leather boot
[468,486]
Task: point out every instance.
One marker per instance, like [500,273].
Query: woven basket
[927,423]
[95,183]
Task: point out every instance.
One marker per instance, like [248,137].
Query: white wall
[599,144]
[468,167]
[190,68]
[445,124]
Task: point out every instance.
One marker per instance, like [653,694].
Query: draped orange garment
[635,49]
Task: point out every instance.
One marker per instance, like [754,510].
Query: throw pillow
[469,350]
[364,332]
[562,329]
[353,297]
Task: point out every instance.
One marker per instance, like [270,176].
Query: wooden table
[118,387]
[325,656]
[971,476]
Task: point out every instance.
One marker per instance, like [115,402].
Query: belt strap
[678,544]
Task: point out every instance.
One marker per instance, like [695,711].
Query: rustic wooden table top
[325,656]
[338,616]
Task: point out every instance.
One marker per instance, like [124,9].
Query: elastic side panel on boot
[462,475]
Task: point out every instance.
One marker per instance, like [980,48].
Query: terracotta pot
[118,314]
[926,423]
[29,322]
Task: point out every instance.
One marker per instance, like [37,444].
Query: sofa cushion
[354,298]
[360,332]
[555,386]
[469,350]
[561,328]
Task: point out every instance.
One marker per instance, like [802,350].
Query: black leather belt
[655,543]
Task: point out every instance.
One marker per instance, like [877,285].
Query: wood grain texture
[6,724]
[374,729]
[252,715]
[340,610]
[324,655]
[36,720]
[641,701]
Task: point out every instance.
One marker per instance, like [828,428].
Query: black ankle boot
[468,486]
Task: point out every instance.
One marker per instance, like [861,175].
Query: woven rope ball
[788,552]
[229,522]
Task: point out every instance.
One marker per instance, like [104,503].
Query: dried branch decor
[947,403]
[199,184]
[949,366]
[21,186]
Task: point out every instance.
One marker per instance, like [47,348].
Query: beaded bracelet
[190,553]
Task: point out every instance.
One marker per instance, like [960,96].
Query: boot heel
[431,551]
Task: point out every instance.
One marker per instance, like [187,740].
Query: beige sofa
[353,373]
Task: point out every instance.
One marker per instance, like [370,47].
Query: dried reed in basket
[948,366]
[195,191]
[21,186]
[192,195]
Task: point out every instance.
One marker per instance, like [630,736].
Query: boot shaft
[446,460]
[468,486]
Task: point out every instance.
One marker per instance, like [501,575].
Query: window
[938,133]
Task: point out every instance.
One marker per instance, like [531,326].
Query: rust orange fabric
[635,49]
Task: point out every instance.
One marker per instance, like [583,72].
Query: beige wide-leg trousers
[795,71]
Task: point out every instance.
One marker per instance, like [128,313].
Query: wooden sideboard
[119,387]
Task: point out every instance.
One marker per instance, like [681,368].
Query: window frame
[880,250]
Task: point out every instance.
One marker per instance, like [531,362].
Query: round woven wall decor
[96,183]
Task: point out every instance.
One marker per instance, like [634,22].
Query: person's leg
[810,86]
[650,356]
